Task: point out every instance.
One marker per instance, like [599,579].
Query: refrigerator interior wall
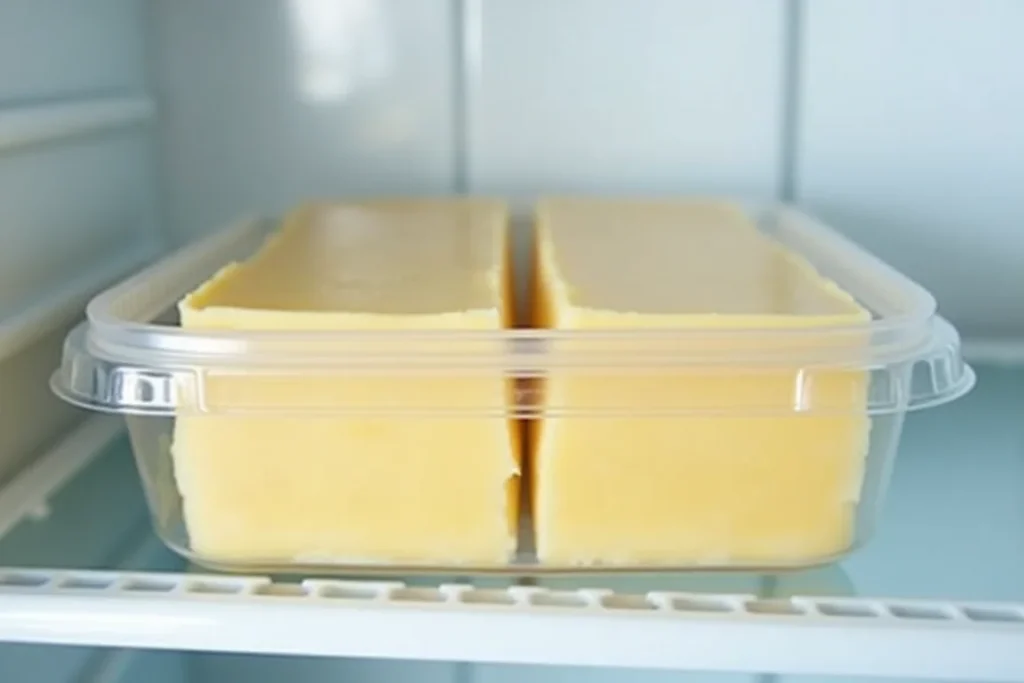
[126,125]
[77,193]
[908,135]
[263,104]
[898,120]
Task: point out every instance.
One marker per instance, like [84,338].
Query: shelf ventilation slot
[516,598]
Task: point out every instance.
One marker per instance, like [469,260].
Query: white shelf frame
[661,630]
[937,640]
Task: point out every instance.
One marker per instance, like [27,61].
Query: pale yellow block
[646,483]
[285,468]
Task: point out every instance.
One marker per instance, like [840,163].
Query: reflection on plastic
[342,45]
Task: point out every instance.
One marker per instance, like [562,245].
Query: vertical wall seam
[461,75]
[152,44]
[790,99]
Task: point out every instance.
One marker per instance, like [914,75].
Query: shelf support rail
[518,624]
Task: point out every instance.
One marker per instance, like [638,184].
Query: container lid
[130,357]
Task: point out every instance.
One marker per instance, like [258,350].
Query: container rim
[938,375]
[899,334]
[891,341]
[120,361]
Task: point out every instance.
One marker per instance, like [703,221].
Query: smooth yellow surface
[308,478]
[647,483]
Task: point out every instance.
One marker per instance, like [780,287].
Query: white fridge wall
[266,102]
[54,49]
[650,96]
[66,208]
[911,138]
[76,183]
[899,119]
[77,191]
[30,415]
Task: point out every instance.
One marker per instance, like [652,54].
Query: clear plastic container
[802,396]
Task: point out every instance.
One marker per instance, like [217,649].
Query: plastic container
[131,358]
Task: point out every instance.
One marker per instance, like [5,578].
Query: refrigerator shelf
[515,624]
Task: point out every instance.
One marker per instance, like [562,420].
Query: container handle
[939,375]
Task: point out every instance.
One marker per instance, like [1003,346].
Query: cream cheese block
[699,465]
[343,464]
